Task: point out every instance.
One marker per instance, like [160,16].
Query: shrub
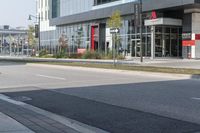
[43,52]
[91,55]
[110,56]
[61,54]
[120,57]
[75,56]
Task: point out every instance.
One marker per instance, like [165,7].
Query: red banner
[188,43]
[92,38]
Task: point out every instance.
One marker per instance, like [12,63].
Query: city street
[98,100]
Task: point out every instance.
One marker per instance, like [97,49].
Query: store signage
[137,15]
[114,30]
[188,43]
[154,15]
[186,36]
[197,36]
[81,51]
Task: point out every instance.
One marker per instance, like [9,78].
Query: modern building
[171,28]
[47,32]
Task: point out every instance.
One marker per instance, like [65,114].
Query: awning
[163,21]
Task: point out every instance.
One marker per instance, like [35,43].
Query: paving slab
[30,120]
[9,125]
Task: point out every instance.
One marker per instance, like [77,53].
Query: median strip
[193,72]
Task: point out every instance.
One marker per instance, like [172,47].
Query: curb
[31,59]
[195,77]
[77,126]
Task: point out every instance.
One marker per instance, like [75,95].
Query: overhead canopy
[164,21]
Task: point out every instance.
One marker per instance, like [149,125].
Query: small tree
[31,38]
[63,45]
[115,21]
[32,41]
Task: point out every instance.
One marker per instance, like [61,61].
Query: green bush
[47,56]
[43,52]
[91,55]
[120,57]
[61,54]
[110,56]
[75,56]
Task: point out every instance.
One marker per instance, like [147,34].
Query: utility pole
[38,27]
[114,32]
[39,43]
[141,45]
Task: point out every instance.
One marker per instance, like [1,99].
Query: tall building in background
[47,32]
[170,27]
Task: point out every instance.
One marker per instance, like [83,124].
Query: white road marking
[50,77]
[195,98]
[6,98]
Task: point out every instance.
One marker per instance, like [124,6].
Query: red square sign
[197,36]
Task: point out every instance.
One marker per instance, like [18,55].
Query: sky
[15,12]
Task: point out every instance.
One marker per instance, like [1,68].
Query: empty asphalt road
[115,101]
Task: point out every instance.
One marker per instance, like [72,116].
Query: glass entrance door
[167,41]
[135,48]
[174,42]
[158,42]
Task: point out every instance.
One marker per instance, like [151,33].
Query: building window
[46,15]
[41,3]
[99,2]
[46,3]
[41,16]
[38,4]
[55,8]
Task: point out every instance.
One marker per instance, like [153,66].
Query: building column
[152,42]
[1,44]
[191,25]
[195,30]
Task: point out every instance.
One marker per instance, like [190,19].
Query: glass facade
[168,41]
[79,36]
[70,7]
[95,34]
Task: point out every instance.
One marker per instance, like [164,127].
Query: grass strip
[129,67]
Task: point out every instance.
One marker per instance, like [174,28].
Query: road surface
[111,100]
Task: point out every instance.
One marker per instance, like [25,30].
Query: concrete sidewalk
[9,125]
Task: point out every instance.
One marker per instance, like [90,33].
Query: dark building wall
[103,13]
[126,9]
[187,23]
[149,5]
[102,36]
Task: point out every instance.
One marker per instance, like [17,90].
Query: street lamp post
[37,18]
[141,45]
